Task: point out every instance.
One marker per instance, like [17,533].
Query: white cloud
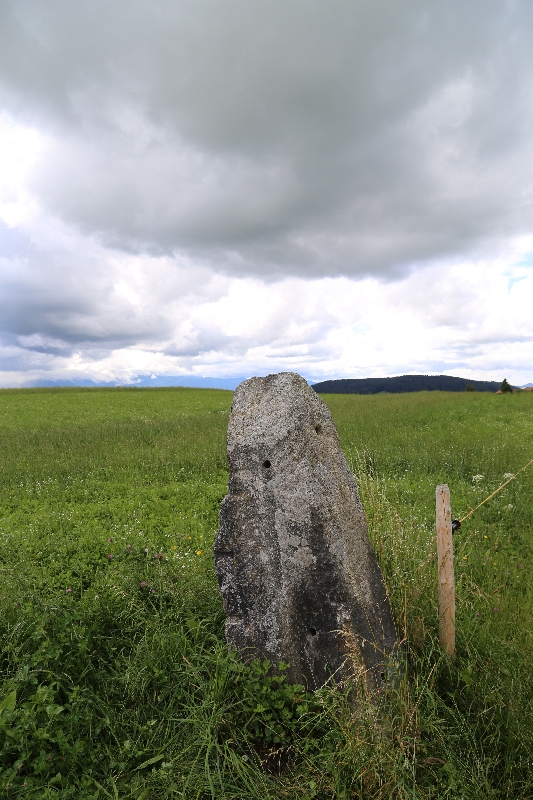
[226,188]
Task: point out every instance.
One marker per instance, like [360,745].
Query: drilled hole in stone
[318,428]
[312,631]
[266,464]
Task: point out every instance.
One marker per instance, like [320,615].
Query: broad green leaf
[9,702]
[153,760]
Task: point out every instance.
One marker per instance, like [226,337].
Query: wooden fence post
[446,576]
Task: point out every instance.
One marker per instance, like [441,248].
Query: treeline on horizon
[403,383]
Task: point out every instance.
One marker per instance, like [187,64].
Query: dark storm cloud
[311,138]
[57,300]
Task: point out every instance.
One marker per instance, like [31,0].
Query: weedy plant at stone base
[123,687]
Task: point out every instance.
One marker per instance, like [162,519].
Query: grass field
[115,679]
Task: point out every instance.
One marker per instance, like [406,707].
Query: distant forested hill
[403,383]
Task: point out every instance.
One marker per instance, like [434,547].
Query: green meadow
[115,679]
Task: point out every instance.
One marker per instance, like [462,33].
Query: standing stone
[298,577]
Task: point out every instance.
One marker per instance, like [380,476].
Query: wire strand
[496,492]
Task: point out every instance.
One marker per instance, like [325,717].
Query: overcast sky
[234,187]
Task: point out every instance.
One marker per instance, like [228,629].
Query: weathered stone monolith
[299,579]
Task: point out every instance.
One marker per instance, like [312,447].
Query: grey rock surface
[298,577]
